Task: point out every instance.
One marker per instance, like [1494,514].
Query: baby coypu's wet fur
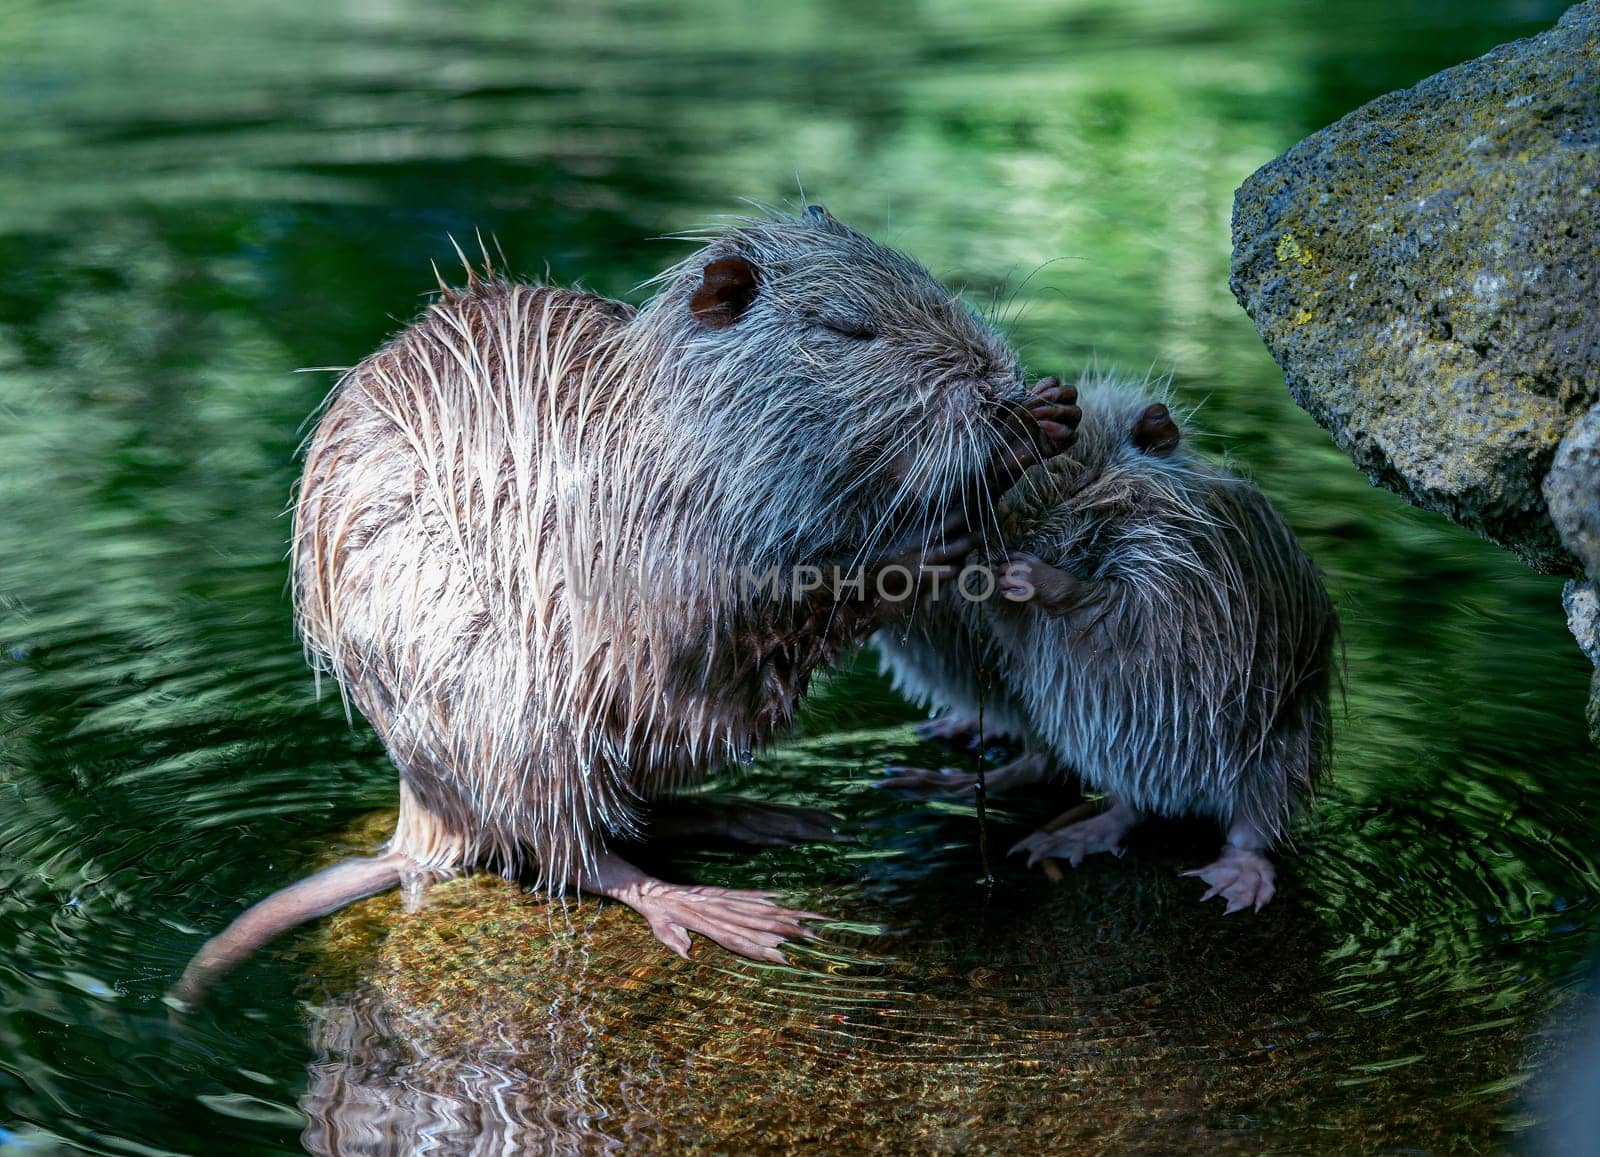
[1157,630]
[544,542]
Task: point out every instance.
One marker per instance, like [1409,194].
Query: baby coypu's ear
[1154,431]
[727,287]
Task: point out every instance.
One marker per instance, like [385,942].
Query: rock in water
[1427,273]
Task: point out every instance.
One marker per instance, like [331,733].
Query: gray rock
[1572,491]
[1425,271]
[1582,603]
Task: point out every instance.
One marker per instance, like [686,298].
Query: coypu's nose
[1154,431]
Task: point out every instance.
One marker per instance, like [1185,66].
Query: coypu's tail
[327,891]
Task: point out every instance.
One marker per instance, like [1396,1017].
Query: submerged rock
[1108,1011]
[1425,271]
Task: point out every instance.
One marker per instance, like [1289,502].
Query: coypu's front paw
[1072,843]
[958,731]
[1243,878]
[1043,425]
[1054,409]
[1024,578]
[946,782]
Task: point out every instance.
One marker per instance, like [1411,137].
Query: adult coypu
[1158,631]
[544,542]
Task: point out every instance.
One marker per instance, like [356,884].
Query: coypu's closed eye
[853,330]
[1154,431]
[849,328]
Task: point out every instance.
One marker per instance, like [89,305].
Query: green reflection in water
[200,198]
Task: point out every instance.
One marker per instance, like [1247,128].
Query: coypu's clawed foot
[747,923]
[948,783]
[1244,878]
[1072,839]
[1025,578]
[1054,409]
[743,821]
[1044,425]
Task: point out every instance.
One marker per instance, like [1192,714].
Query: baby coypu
[545,542]
[1157,630]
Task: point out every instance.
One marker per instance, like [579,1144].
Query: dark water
[196,199]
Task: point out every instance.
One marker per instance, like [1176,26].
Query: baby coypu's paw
[1070,837]
[1054,409]
[1041,426]
[1022,577]
[1244,878]
[947,783]
[933,782]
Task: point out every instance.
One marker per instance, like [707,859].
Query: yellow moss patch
[1289,249]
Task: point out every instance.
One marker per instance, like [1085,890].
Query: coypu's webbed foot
[1241,875]
[1071,839]
[747,923]
[743,821]
[948,783]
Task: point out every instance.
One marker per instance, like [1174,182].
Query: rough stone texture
[1582,602]
[1425,271]
[1572,493]
[1572,490]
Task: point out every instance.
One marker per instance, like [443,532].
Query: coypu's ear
[1154,431]
[727,287]
[818,214]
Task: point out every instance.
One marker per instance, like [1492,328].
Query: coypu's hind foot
[747,923]
[948,783]
[743,821]
[1241,875]
[1071,839]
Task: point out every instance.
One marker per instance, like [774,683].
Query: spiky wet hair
[792,394]
[845,395]
[1197,678]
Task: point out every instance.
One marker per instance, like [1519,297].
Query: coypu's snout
[1155,432]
